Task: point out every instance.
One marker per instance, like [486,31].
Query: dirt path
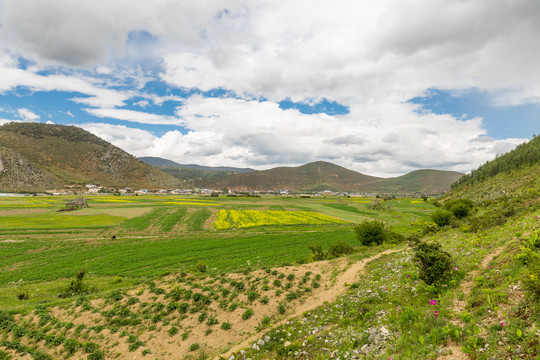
[348,276]
[459,305]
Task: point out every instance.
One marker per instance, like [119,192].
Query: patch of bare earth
[335,288]
[453,351]
[332,277]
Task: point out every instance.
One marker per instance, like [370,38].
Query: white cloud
[12,76]
[260,134]
[142,103]
[27,115]
[372,56]
[133,140]
[135,116]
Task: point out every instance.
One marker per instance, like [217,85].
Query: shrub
[433,263]
[281,309]
[201,267]
[316,249]
[194,347]
[173,331]
[23,295]
[340,248]
[459,207]
[370,232]
[77,286]
[226,325]
[441,217]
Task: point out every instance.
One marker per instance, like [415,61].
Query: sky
[381,87]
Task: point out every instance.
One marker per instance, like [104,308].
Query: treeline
[39,131]
[526,154]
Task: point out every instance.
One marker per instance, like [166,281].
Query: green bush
[433,263]
[316,249]
[371,232]
[340,248]
[461,208]
[77,286]
[201,267]
[441,217]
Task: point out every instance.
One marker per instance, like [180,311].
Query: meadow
[41,247]
[192,277]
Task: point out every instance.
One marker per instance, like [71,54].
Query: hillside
[314,176]
[40,156]
[420,181]
[514,174]
[318,176]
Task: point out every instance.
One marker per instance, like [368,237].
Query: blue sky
[383,88]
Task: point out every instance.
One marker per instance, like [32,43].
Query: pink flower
[502,324]
[436,313]
[408,276]
[456,269]
[432,302]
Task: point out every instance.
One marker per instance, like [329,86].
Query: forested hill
[526,154]
[514,174]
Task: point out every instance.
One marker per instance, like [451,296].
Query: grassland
[129,247]
[164,278]
[156,234]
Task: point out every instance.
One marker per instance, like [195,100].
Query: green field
[157,234]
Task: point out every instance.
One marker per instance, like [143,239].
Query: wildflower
[436,313]
[408,275]
[432,302]
[456,269]
[444,285]
[502,324]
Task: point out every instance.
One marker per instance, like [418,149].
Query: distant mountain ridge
[312,177]
[164,163]
[37,157]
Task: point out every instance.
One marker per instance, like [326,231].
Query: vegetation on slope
[70,155]
[526,155]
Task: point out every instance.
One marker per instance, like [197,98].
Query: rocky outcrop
[18,174]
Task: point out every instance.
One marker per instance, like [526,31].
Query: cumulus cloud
[27,115]
[260,134]
[371,56]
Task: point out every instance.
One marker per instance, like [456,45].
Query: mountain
[425,181]
[314,176]
[36,157]
[320,175]
[164,163]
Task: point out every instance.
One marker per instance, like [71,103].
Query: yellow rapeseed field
[227,219]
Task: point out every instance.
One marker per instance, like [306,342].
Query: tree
[371,232]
